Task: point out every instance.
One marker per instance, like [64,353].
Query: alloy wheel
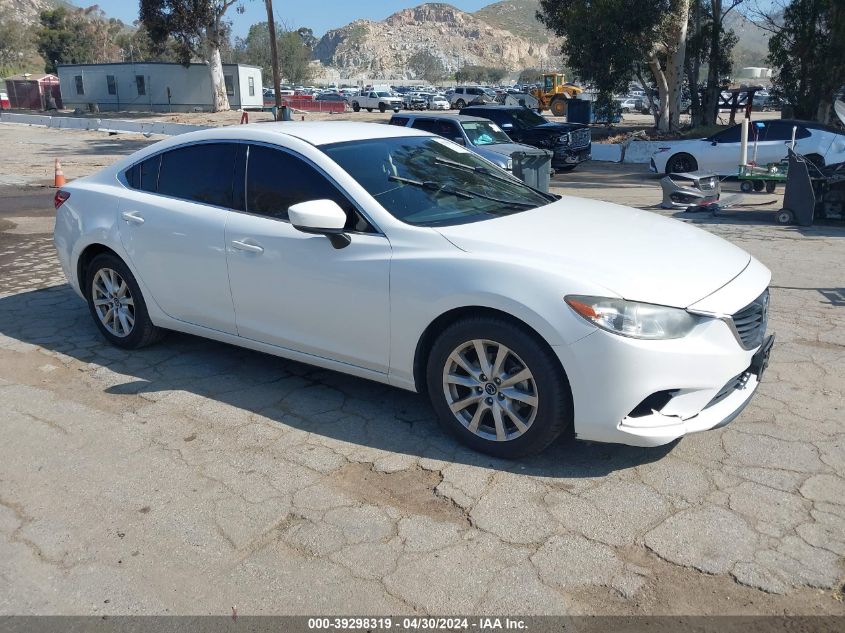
[490,390]
[113,302]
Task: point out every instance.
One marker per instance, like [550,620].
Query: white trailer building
[156,86]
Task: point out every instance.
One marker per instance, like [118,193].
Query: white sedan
[398,256]
[719,153]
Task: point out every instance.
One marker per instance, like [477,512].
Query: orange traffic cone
[59,178]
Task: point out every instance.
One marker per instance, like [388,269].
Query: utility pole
[274,57]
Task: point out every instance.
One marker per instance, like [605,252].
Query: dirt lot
[193,476]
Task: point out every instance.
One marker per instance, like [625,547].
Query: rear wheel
[460,103]
[759,185]
[116,303]
[497,388]
[681,164]
[785,216]
[771,185]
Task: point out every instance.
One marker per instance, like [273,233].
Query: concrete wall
[100,125]
[190,87]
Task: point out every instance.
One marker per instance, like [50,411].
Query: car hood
[636,254]
[507,149]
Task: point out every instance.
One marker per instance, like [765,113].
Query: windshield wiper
[489,172]
[431,185]
[461,193]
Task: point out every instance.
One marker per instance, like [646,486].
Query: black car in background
[570,142]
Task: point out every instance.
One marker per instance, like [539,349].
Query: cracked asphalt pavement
[192,476]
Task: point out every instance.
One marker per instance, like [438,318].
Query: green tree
[294,55]
[808,53]
[425,65]
[626,32]
[62,38]
[195,26]
[530,76]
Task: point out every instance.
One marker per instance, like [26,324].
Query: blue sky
[320,15]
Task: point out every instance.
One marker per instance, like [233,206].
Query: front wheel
[117,305]
[746,186]
[785,216]
[498,388]
[558,107]
[382,108]
[681,164]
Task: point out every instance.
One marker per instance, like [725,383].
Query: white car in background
[719,153]
[399,256]
[438,102]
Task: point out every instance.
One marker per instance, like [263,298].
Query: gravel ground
[193,476]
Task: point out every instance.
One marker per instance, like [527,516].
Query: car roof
[492,106]
[445,115]
[313,132]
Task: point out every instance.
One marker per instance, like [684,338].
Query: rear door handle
[249,248]
[132,216]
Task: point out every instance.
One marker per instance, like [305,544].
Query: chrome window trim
[121,177]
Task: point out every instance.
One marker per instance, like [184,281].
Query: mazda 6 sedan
[398,256]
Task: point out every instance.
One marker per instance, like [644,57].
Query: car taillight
[60,198]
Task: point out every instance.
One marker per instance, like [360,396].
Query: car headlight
[634,319]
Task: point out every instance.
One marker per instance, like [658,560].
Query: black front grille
[750,322]
[580,138]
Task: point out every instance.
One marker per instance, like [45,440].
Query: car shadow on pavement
[310,399]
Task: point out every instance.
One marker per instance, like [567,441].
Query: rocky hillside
[367,49]
[516,16]
[27,11]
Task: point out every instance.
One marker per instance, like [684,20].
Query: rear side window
[276,180]
[144,175]
[401,121]
[200,173]
[426,125]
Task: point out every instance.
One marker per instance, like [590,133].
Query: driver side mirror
[321,217]
[507,126]
[459,140]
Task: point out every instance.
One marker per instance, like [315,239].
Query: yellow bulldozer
[554,93]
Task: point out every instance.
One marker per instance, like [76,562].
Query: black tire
[554,407]
[355,106]
[746,186]
[382,108]
[558,107]
[759,185]
[681,163]
[771,185]
[395,110]
[143,331]
[460,104]
[784,216]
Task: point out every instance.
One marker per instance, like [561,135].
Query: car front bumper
[705,379]
[567,157]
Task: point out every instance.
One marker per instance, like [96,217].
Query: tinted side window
[276,180]
[144,175]
[731,135]
[426,125]
[200,173]
[401,121]
[448,129]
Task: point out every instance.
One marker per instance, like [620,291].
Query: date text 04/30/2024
[418,623]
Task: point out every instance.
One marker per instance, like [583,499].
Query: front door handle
[249,248]
[132,216]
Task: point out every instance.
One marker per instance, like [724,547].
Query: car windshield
[526,118]
[428,181]
[484,133]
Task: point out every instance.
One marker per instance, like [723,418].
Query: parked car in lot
[570,142]
[5,104]
[331,96]
[719,153]
[372,99]
[438,102]
[399,256]
[465,95]
[482,136]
